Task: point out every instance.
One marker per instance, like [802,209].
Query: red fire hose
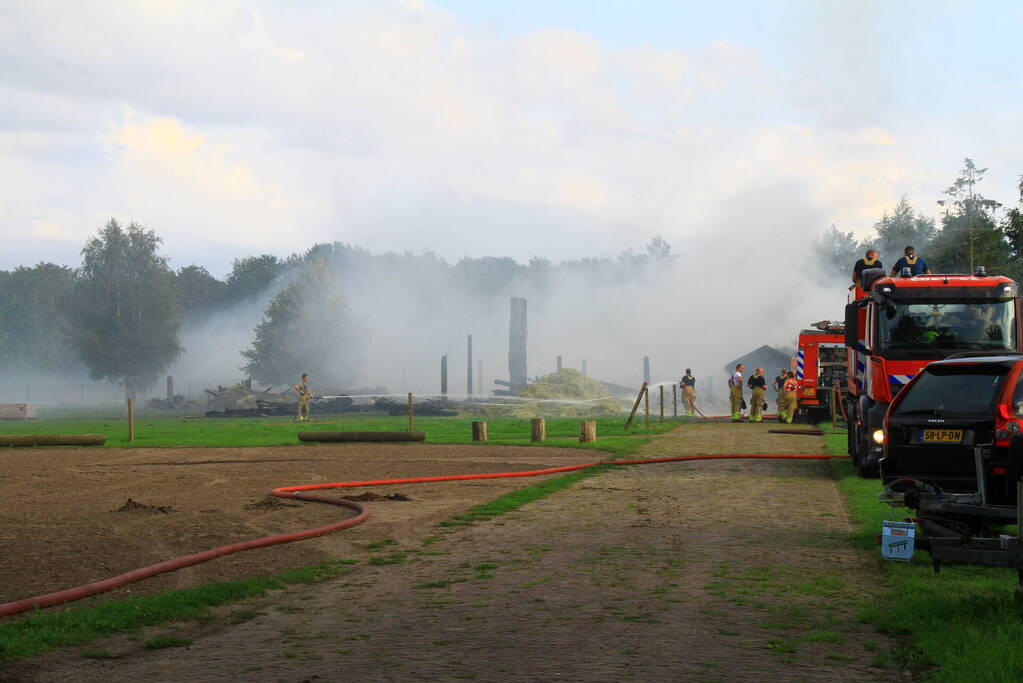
[79,592]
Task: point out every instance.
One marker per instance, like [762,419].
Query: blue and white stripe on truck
[899,381]
[799,364]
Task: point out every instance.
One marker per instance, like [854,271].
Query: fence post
[662,403]
[410,411]
[646,405]
[479,431]
[538,429]
[674,400]
[635,406]
[131,419]
[587,431]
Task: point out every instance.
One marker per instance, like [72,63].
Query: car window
[954,389]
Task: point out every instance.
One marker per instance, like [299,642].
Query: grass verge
[79,625]
[161,431]
[964,623]
[516,499]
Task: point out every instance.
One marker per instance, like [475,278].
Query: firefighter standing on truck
[688,385]
[789,401]
[735,392]
[304,396]
[758,383]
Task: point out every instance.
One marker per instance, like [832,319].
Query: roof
[1001,358]
[766,357]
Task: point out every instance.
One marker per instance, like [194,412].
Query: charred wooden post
[662,403]
[468,364]
[538,429]
[410,415]
[444,376]
[517,369]
[479,431]
[587,431]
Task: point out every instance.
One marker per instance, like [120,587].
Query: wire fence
[88,393]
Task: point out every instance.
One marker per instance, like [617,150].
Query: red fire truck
[821,362]
[894,326]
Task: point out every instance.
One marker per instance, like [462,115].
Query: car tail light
[999,470]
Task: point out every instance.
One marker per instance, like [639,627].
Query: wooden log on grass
[587,431]
[479,431]
[333,437]
[52,439]
[538,429]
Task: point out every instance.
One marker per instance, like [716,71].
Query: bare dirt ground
[67,513]
[685,571]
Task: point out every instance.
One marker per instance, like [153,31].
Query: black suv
[947,436]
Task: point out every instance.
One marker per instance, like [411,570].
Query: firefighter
[735,392]
[304,397]
[779,386]
[916,265]
[870,261]
[688,385]
[758,383]
[789,401]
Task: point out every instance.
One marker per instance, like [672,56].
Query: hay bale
[28,440]
[582,396]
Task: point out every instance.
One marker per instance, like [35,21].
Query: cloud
[262,126]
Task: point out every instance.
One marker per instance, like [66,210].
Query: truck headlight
[878,436]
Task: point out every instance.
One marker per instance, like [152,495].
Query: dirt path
[690,571]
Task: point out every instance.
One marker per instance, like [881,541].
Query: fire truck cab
[894,326]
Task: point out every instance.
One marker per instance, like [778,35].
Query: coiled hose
[362,514]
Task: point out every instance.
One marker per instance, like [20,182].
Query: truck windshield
[954,389]
[948,326]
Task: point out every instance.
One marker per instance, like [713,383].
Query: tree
[901,228]
[306,328]
[969,234]
[251,275]
[36,327]
[837,253]
[129,315]
[198,292]
[658,249]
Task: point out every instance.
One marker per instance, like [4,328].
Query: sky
[555,129]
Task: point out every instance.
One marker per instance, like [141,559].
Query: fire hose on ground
[362,514]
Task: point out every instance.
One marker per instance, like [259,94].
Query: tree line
[120,315]
[973,230]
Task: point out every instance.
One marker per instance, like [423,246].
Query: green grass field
[964,624]
[154,430]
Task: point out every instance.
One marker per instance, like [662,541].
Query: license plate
[942,435]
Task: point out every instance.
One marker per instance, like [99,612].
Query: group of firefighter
[785,384]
